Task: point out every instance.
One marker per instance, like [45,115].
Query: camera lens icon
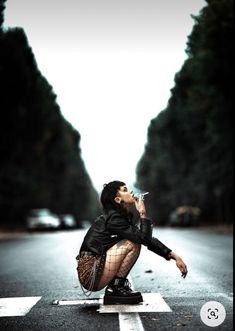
[212,313]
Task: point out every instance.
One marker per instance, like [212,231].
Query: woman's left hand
[179,263]
[182,266]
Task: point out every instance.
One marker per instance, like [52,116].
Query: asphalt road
[43,265]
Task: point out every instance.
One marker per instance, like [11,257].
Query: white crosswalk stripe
[18,306]
[128,315]
[153,302]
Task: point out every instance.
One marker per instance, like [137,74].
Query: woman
[112,246]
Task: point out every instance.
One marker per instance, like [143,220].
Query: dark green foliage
[41,165]
[2,7]
[188,159]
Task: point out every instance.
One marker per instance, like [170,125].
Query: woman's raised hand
[140,206]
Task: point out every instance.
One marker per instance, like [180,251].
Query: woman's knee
[121,248]
[132,246]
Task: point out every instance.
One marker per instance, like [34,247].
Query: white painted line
[230,298]
[153,302]
[19,306]
[129,318]
[203,295]
[77,302]
[130,322]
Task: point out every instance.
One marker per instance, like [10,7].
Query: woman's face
[125,195]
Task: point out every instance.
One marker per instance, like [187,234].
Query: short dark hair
[108,195]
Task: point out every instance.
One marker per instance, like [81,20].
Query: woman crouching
[112,246]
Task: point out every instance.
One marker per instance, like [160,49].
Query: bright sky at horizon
[112,65]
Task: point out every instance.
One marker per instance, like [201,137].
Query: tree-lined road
[44,266]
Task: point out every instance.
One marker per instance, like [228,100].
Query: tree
[41,164]
[188,157]
[2,7]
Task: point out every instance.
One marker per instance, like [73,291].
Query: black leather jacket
[112,227]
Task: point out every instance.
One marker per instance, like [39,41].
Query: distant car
[42,219]
[67,221]
[185,216]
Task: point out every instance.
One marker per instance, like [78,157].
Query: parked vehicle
[67,221]
[42,219]
[185,216]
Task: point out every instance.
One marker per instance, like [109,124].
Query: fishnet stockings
[119,261]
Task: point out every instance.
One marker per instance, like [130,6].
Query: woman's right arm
[153,244]
[123,228]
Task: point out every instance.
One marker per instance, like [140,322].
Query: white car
[67,221]
[42,219]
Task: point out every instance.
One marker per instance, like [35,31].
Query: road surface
[39,289]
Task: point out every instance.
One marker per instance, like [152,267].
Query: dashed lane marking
[19,306]
[130,322]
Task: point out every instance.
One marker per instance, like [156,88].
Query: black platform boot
[119,292]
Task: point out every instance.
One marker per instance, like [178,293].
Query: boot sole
[116,300]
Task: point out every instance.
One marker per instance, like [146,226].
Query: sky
[112,65]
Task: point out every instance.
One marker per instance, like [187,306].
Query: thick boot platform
[121,300]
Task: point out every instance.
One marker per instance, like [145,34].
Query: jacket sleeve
[156,246]
[122,227]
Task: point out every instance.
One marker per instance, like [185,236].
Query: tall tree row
[188,158]
[41,164]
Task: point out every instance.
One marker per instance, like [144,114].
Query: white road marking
[203,295]
[19,306]
[153,302]
[128,316]
[77,302]
[130,322]
[230,298]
